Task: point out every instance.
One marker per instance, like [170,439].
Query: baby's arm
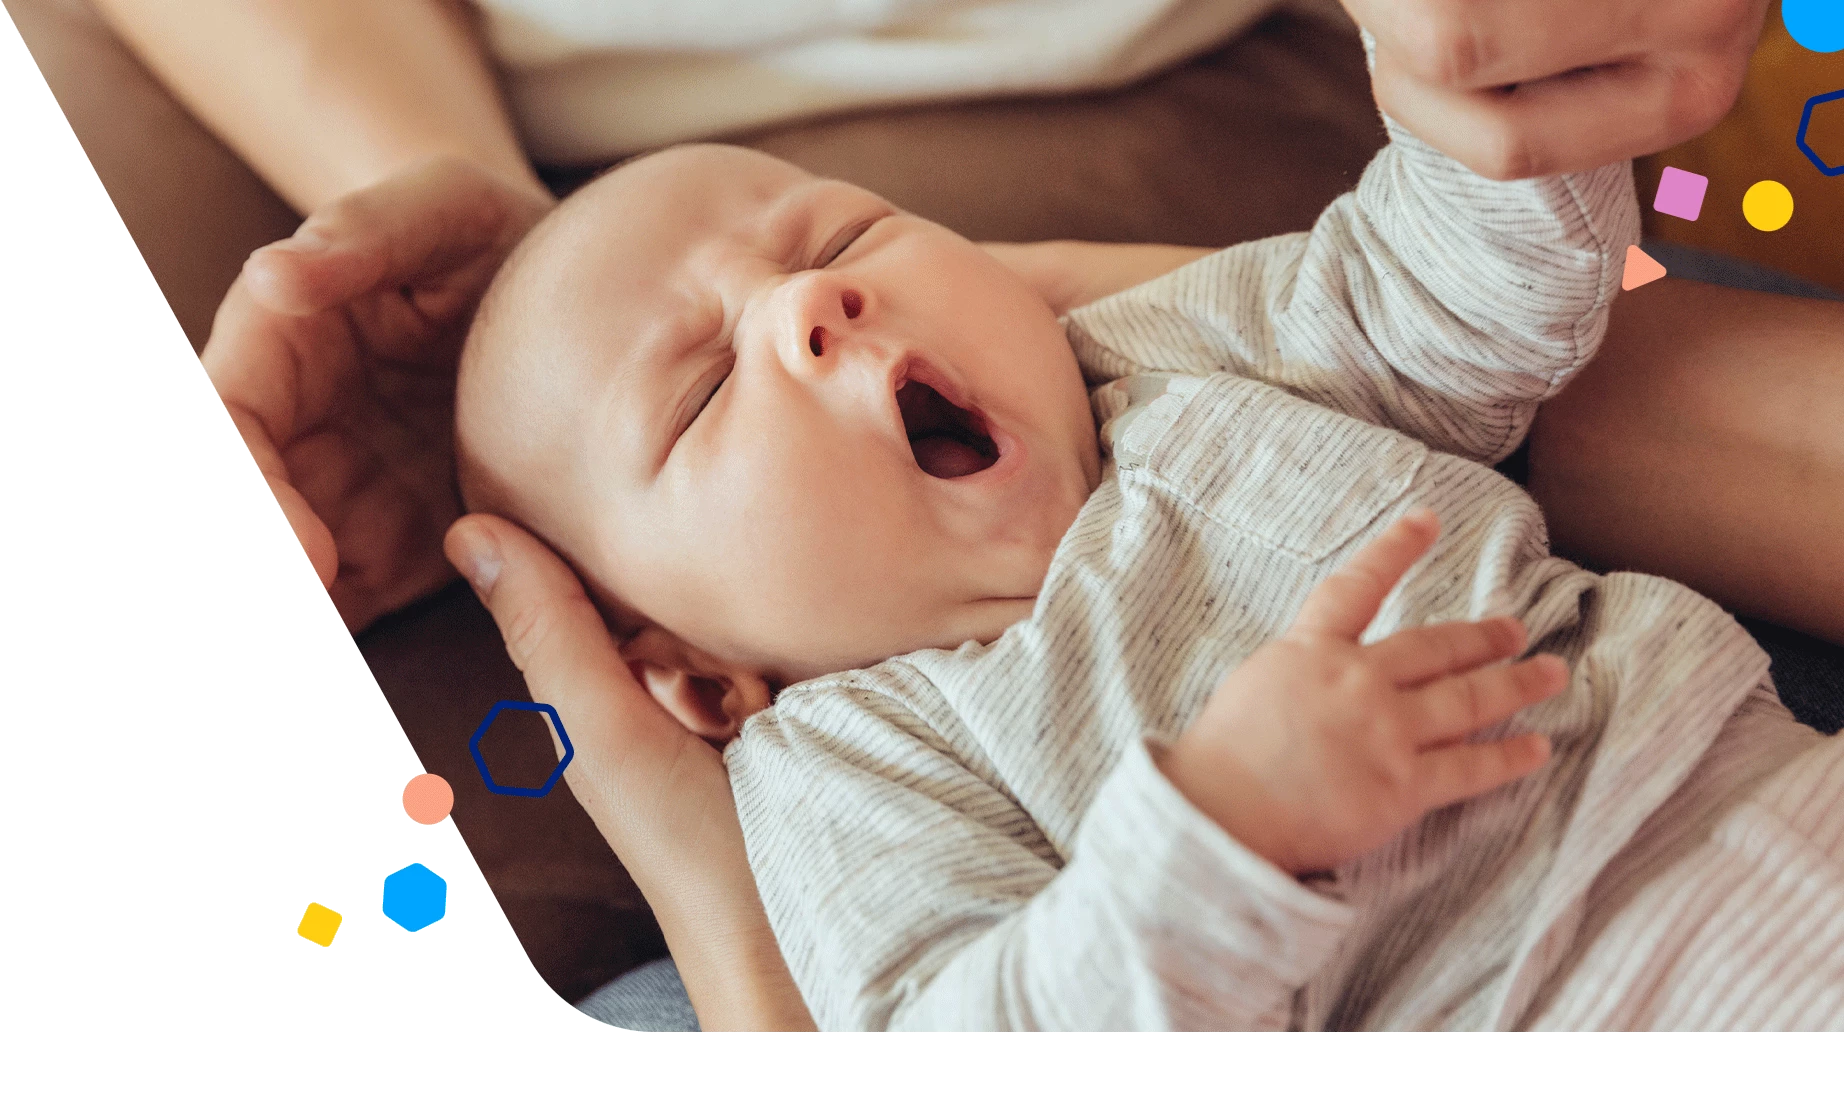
[1448,305]
[907,891]
[1429,300]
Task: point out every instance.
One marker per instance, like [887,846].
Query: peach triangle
[1640,269]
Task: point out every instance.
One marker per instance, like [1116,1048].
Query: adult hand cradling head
[335,353]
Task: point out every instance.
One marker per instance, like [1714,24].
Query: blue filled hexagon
[414,897]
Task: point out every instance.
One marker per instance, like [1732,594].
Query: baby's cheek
[856,547]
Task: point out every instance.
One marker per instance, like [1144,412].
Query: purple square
[1680,193]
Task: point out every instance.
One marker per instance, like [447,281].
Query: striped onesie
[978,838]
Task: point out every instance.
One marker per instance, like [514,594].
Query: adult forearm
[1706,443]
[725,950]
[1071,273]
[322,97]
[739,982]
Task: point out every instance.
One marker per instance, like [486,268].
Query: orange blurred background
[1756,142]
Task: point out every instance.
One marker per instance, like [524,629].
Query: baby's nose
[823,308]
[851,304]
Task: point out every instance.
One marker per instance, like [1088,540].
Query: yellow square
[319,924]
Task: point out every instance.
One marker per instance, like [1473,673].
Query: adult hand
[1521,88]
[335,352]
[659,793]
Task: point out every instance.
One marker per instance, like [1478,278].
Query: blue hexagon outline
[480,762]
[1805,122]
[411,870]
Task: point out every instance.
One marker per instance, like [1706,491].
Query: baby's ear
[708,696]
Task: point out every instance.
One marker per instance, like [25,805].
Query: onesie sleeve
[1429,300]
[908,892]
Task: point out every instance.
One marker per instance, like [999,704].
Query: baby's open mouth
[948,442]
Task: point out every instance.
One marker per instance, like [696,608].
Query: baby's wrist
[1219,786]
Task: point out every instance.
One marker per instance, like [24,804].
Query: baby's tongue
[946,458]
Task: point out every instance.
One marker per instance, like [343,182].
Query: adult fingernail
[478,559]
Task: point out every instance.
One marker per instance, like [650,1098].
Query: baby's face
[810,431]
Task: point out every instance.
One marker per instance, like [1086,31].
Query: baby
[834,473]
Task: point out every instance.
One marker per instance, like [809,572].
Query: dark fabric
[1808,672]
[650,998]
[1722,270]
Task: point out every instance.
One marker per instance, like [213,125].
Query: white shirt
[592,80]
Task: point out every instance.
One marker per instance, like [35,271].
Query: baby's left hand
[1318,749]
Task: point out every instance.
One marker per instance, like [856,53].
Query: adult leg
[1706,443]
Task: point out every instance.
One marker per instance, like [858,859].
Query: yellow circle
[1768,205]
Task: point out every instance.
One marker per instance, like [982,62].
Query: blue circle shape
[414,897]
[1817,25]
[480,760]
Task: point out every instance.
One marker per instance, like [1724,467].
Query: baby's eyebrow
[791,220]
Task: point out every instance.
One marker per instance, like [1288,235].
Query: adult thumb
[553,632]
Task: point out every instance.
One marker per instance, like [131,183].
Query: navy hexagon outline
[1805,122]
[480,762]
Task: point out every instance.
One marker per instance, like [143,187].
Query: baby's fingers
[1458,705]
[1345,604]
[1469,769]
[1415,656]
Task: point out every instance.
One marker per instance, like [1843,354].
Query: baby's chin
[1039,514]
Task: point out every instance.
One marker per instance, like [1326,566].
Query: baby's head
[779,425]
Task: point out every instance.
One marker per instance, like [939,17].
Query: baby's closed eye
[713,382]
[841,242]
